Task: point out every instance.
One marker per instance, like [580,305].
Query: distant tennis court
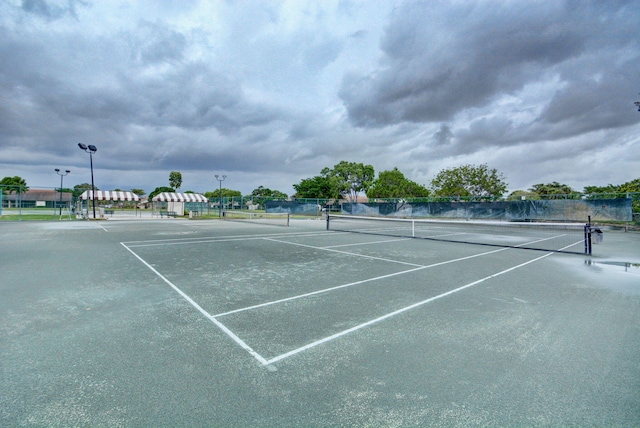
[235,323]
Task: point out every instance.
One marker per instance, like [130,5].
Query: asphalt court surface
[287,293]
[300,326]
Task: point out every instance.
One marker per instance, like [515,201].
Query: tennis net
[556,237]
[277,219]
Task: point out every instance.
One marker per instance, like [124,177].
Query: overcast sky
[270,92]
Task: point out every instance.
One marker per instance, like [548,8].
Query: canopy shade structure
[109,195]
[179,197]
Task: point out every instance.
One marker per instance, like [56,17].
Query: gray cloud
[466,55]
[50,9]
[153,43]
[444,136]
[270,93]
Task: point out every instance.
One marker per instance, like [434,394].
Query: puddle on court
[615,275]
[617,266]
[625,276]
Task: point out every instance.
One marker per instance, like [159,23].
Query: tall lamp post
[220,206]
[91,150]
[62,175]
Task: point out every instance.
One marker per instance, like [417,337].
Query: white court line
[447,234]
[342,252]
[394,313]
[204,240]
[221,326]
[405,309]
[313,293]
[331,249]
[337,287]
[367,243]
[266,362]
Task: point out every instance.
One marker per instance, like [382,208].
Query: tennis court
[229,323]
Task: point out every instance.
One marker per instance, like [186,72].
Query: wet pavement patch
[620,266]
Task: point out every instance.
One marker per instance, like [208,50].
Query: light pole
[220,206]
[91,150]
[62,175]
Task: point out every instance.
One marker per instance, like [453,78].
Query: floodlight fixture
[91,149]
[220,195]
[62,175]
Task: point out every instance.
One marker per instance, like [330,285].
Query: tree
[276,194]
[261,194]
[628,187]
[226,193]
[619,191]
[266,192]
[350,178]
[14,184]
[632,187]
[469,180]
[159,190]
[261,191]
[79,189]
[393,184]
[553,190]
[315,187]
[138,192]
[175,179]
[519,194]
[610,188]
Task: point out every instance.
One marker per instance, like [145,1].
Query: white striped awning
[179,197]
[109,195]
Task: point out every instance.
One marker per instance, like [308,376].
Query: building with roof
[37,198]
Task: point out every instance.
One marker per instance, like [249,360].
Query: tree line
[348,180]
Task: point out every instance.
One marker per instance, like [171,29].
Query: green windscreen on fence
[527,210]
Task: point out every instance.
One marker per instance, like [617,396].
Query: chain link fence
[622,207]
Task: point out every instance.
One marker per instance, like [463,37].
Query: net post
[288,217]
[413,228]
[328,221]
[587,236]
